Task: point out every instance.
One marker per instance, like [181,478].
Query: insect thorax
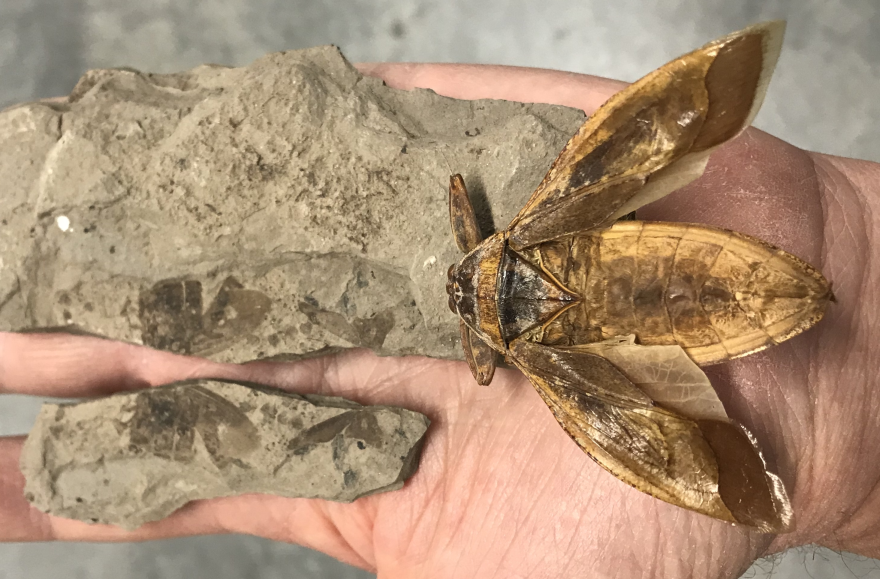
[527,297]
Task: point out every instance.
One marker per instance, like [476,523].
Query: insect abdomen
[716,293]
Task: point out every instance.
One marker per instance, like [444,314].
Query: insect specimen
[610,318]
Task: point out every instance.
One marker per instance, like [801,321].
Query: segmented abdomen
[718,294]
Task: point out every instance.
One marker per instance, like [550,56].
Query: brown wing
[653,137]
[710,466]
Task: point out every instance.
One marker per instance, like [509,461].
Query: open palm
[501,490]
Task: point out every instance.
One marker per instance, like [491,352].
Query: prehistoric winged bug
[610,319]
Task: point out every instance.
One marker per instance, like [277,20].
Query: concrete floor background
[824,97]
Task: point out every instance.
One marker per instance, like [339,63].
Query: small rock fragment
[137,457]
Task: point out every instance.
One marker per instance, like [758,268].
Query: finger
[480,81]
[72,366]
[18,520]
[477,81]
[69,366]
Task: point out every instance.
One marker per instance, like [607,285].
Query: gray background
[825,97]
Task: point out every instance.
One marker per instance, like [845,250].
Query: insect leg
[462,217]
[480,357]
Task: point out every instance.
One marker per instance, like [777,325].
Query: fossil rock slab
[245,213]
[136,457]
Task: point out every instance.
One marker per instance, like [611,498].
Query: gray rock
[244,213]
[136,457]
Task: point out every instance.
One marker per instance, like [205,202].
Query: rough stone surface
[257,212]
[137,457]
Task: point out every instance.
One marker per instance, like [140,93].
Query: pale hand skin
[501,490]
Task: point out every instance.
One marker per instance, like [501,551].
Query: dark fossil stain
[320,433]
[367,332]
[166,420]
[173,316]
[349,477]
[366,427]
[338,447]
[360,425]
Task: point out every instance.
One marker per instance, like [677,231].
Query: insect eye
[452,305]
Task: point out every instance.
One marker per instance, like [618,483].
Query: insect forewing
[708,465]
[652,137]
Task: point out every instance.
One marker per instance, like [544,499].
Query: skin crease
[501,490]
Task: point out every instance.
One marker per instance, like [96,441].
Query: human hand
[501,490]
